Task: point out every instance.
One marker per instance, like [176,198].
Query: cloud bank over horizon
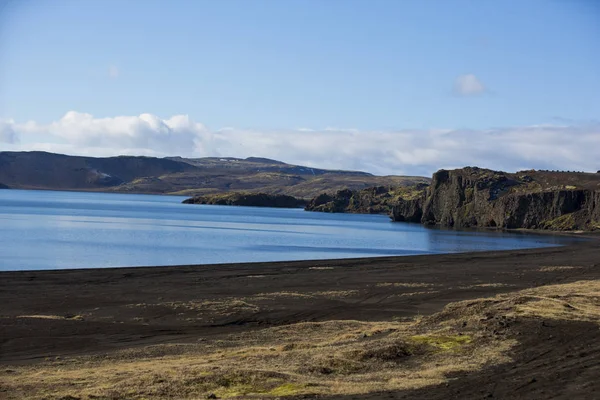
[382,152]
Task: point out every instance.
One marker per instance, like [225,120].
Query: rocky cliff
[374,200]
[248,199]
[475,197]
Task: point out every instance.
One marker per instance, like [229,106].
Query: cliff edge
[476,197]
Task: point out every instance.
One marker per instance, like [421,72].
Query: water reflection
[47,230]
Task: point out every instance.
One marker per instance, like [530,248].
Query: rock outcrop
[3,186]
[408,210]
[374,200]
[248,199]
[475,197]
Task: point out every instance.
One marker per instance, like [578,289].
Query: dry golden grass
[572,301]
[224,307]
[336,293]
[327,294]
[557,268]
[488,285]
[409,294]
[41,316]
[403,284]
[485,285]
[282,294]
[330,357]
[341,357]
[576,301]
[58,317]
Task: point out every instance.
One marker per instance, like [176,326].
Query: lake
[55,230]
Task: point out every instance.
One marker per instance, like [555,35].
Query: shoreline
[79,292]
[581,237]
[108,318]
[288,263]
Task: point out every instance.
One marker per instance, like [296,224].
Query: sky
[389,87]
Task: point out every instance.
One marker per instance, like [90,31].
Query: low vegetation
[248,199]
[333,357]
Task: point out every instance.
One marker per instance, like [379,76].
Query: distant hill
[257,164]
[177,175]
[40,170]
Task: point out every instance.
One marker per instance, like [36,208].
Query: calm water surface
[50,230]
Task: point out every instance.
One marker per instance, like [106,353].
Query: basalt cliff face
[374,200]
[475,197]
[350,201]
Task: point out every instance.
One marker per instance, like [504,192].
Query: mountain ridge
[180,176]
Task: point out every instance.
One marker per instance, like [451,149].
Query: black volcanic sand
[81,312]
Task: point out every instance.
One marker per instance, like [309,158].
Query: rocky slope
[248,199]
[183,176]
[475,197]
[375,200]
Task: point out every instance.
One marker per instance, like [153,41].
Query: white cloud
[414,152]
[113,72]
[468,85]
[7,132]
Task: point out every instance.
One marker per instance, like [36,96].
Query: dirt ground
[50,317]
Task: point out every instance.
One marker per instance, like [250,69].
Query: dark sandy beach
[68,313]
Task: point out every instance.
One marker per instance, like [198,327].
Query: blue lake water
[51,230]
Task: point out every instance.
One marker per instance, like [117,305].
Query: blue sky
[268,68]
